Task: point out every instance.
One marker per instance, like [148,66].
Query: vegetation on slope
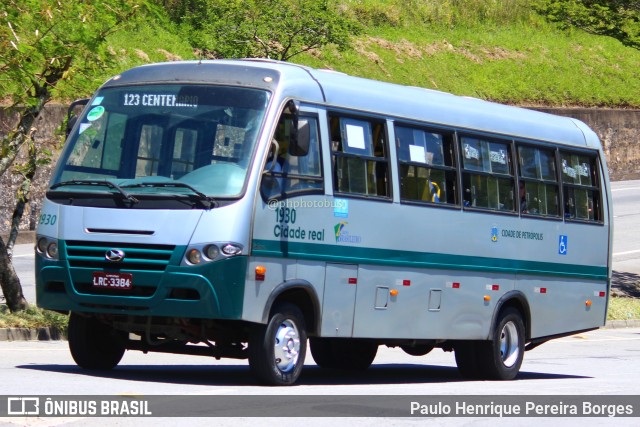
[507,51]
[502,51]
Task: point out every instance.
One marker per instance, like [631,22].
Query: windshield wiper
[92,182]
[208,201]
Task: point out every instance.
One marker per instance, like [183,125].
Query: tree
[276,29]
[43,43]
[619,19]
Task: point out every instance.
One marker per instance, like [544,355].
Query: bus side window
[360,156]
[287,174]
[427,165]
[580,186]
[487,177]
[538,187]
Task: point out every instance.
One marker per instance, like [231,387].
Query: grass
[623,308]
[32,317]
[532,64]
[500,51]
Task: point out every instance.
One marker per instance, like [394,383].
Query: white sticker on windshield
[98,100]
[83,127]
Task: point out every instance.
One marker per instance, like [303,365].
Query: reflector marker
[540,290]
[261,270]
[353,280]
[493,287]
[453,285]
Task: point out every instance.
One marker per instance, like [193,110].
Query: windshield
[164,139]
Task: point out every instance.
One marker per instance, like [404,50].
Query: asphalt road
[626,226]
[602,362]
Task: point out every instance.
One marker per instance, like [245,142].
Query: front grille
[81,254]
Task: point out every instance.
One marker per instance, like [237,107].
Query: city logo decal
[343,236]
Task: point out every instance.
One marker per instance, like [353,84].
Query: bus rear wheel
[277,350]
[93,344]
[322,353]
[417,350]
[336,353]
[466,353]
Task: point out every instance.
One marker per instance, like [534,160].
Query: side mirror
[300,134]
[72,118]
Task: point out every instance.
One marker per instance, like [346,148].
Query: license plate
[123,281]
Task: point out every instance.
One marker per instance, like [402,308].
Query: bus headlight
[194,256]
[47,247]
[52,250]
[207,252]
[211,251]
[231,249]
[41,246]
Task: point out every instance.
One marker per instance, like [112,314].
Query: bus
[254,209]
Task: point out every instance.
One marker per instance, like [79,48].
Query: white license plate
[123,281]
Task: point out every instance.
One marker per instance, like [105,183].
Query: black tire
[322,353]
[467,358]
[355,355]
[343,353]
[93,344]
[417,350]
[502,356]
[277,350]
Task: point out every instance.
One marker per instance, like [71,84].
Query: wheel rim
[509,344]
[287,346]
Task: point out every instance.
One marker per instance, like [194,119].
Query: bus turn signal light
[261,270]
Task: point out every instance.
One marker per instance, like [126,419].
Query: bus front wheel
[93,344]
[502,356]
[277,350]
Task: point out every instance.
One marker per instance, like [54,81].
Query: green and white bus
[248,208]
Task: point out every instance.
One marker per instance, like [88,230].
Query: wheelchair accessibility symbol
[562,245]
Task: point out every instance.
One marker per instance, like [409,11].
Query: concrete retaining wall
[619,131]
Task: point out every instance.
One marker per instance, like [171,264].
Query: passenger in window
[527,205]
[274,183]
[282,143]
[523,199]
[434,192]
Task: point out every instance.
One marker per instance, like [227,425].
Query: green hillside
[500,50]
[495,50]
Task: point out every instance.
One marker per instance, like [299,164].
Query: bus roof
[339,90]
